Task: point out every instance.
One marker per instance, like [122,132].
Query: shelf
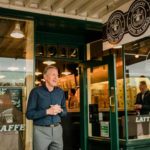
[73,110]
[108,109]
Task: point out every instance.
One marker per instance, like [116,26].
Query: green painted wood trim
[111,61]
[125,96]
[83,108]
[137,142]
[59,38]
[82,24]
[114,131]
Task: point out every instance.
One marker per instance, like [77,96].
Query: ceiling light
[37,73]
[37,82]
[66,73]
[21,79]
[136,56]
[49,62]
[2,76]
[13,68]
[17,33]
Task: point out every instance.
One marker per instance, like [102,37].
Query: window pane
[16,78]
[137,61]
[98,95]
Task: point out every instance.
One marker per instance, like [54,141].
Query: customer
[73,101]
[142,104]
[46,106]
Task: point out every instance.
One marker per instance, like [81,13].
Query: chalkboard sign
[14,94]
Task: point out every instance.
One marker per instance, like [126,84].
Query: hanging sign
[135,22]
[115,27]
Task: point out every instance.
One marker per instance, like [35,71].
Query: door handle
[112,103]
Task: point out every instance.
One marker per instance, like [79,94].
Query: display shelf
[73,110]
[119,109]
[100,94]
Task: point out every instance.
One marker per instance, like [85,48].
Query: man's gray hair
[47,68]
[143,83]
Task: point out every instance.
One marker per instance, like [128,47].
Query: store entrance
[103,109]
[69,82]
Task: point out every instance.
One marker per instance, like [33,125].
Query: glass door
[103,105]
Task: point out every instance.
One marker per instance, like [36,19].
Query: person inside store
[46,106]
[73,100]
[142,105]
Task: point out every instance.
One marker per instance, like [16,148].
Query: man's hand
[54,110]
[138,106]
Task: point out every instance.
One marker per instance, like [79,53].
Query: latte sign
[141,119]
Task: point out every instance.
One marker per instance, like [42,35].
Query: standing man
[73,100]
[46,106]
[142,104]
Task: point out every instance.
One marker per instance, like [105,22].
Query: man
[142,104]
[73,101]
[46,106]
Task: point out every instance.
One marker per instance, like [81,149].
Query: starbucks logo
[115,27]
[138,18]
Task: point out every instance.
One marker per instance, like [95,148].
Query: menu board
[11,116]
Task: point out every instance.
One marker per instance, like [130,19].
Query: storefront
[105,78]
[113,84]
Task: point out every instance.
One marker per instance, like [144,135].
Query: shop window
[137,61]
[99,90]
[98,93]
[16,78]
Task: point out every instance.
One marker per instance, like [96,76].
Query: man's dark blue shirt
[40,99]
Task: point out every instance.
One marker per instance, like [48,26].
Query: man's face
[51,77]
[142,87]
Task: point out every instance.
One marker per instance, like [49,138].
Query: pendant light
[17,33]
[2,76]
[37,82]
[49,62]
[66,71]
[37,72]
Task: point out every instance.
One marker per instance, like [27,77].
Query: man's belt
[50,125]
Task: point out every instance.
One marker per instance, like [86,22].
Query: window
[16,78]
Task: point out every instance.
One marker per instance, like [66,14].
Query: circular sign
[138,18]
[115,27]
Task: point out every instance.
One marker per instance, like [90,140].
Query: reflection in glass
[137,78]
[16,78]
[98,93]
